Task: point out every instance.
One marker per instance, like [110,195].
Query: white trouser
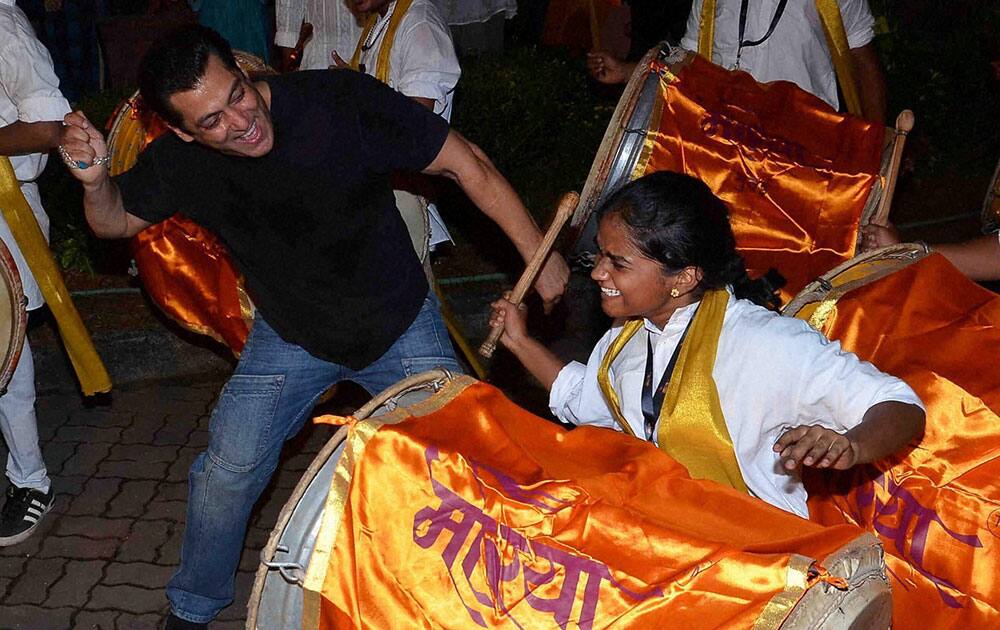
[25,466]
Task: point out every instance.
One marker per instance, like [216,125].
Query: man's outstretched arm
[466,163]
[102,201]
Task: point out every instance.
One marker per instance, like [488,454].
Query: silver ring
[102,161]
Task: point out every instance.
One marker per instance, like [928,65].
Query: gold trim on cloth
[776,611]
[692,427]
[90,371]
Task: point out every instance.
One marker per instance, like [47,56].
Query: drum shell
[13,316]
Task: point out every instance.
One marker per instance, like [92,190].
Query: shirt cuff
[287,39]
[566,389]
[42,108]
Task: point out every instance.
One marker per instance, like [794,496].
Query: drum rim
[821,288]
[19,316]
[601,167]
[436,378]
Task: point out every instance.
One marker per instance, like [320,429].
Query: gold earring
[675,292]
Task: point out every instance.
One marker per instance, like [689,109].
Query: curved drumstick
[566,207]
[904,123]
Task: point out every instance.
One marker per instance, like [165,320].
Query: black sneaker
[22,512]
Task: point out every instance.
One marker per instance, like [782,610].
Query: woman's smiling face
[632,285]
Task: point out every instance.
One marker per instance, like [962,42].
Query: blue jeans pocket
[241,422]
[416,365]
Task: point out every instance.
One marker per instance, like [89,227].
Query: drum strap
[388,37]
[836,38]
[30,240]
[692,428]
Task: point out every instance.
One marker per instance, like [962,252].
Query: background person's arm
[23,138]
[466,164]
[871,83]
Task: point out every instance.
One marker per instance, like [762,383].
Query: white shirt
[796,51]
[29,92]
[458,12]
[335,28]
[422,62]
[772,373]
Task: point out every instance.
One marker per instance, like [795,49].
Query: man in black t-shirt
[292,174]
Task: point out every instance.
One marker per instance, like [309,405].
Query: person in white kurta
[772,373]
[30,102]
[422,65]
[335,29]
[788,396]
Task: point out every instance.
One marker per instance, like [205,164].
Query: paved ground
[105,552]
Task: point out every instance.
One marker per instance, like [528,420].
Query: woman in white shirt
[733,391]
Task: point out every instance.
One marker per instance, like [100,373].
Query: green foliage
[938,62]
[533,111]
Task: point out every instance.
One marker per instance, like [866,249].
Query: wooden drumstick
[565,210]
[904,123]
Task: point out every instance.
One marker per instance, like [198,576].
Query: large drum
[13,316]
[798,178]
[277,597]
[856,595]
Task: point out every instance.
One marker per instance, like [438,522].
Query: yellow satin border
[382,63]
[90,371]
[692,428]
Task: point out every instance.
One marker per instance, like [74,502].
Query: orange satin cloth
[937,508]
[188,273]
[479,513]
[794,173]
[184,268]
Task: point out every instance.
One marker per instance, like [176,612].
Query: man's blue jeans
[265,402]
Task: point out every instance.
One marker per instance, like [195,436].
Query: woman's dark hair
[176,63]
[675,220]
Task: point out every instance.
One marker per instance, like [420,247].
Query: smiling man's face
[224,111]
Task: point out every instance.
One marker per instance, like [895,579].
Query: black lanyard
[652,401]
[744,6]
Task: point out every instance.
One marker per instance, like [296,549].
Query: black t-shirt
[312,225]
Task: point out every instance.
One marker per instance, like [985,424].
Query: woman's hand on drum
[874,236]
[514,320]
[83,149]
[605,68]
[817,447]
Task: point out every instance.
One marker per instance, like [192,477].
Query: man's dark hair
[176,63]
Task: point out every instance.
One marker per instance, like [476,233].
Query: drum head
[277,597]
[854,273]
[620,148]
[13,316]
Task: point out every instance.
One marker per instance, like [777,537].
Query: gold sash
[382,62]
[692,428]
[30,240]
[836,39]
